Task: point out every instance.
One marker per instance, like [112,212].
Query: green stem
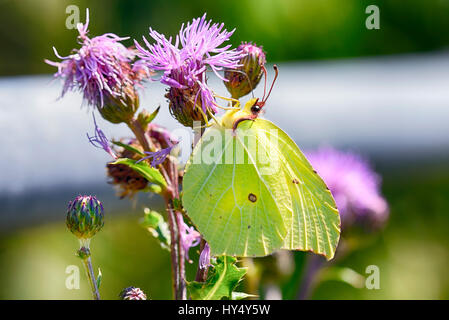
[171,176]
[91,276]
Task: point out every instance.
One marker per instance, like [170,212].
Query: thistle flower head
[85,216]
[102,70]
[184,64]
[354,185]
[132,293]
[251,50]
[244,79]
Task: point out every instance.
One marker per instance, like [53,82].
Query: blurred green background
[288,29]
[412,251]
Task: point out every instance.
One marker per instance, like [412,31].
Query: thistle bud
[122,104]
[120,109]
[83,253]
[245,78]
[185,105]
[132,293]
[85,217]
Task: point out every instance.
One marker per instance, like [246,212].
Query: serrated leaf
[128,147]
[151,174]
[99,278]
[154,222]
[223,279]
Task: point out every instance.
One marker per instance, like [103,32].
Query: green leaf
[128,147]
[154,222]
[146,118]
[151,174]
[99,277]
[223,279]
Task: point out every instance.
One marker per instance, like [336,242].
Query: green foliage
[128,147]
[146,118]
[223,279]
[99,278]
[156,225]
[151,174]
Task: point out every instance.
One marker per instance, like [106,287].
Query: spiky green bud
[122,108]
[185,106]
[85,217]
[245,78]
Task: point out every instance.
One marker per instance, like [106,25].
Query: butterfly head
[255,105]
[252,108]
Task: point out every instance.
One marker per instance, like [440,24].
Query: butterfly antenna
[265,85]
[276,70]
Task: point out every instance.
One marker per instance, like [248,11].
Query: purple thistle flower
[189,236]
[254,51]
[101,69]
[99,140]
[354,185]
[157,157]
[184,63]
[164,139]
[204,261]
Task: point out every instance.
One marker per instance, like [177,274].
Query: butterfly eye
[255,109]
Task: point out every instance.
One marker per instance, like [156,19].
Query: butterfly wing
[316,223]
[252,191]
[236,207]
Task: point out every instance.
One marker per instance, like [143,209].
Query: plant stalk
[91,277]
[176,254]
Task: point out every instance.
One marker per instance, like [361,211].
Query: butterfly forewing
[236,206]
[252,191]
